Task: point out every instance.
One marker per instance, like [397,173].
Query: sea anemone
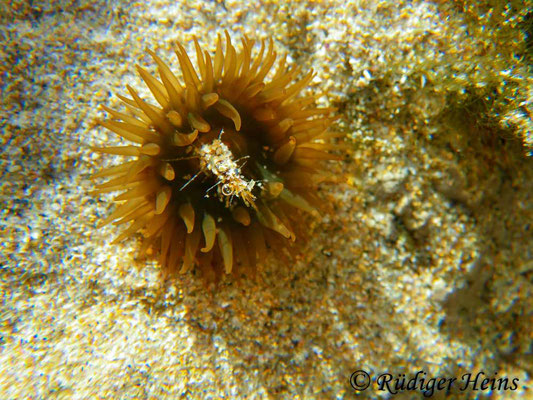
[223,164]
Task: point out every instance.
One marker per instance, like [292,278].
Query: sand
[425,263]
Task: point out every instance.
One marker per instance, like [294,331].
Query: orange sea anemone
[223,164]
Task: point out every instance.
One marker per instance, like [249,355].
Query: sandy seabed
[425,264]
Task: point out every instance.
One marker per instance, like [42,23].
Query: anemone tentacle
[221,159]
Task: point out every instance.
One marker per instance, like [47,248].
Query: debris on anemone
[223,165]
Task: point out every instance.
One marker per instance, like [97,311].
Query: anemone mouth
[223,161]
